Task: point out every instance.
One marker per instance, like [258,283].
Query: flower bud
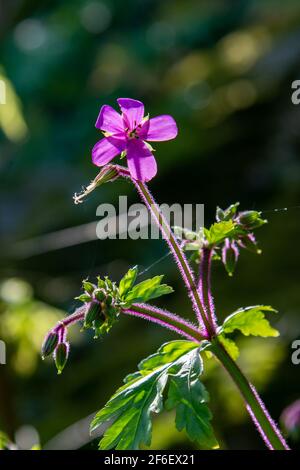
[88,287]
[100,295]
[249,243]
[230,255]
[251,219]
[49,344]
[98,324]
[230,212]
[94,309]
[61,356]
[101,283]
[219,214]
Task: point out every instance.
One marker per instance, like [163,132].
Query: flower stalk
[204,285]
[207,328]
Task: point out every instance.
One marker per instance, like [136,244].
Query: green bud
[230,212]
[230,255]
[50,344]
[88,287]
[109,299]
[220,214]
[84,298]
[249,243]
[100,295]
[251,219]
[98,325]
[101,283]
[108,283]
[93,310]
[61,356]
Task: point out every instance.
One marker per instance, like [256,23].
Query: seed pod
[230,255]
[49,344]
[61,356]
[92,312]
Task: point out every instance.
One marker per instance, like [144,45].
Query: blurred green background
[224,70]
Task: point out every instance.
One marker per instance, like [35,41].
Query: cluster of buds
[232,231]
[241,237]
[99,312]
[102,305]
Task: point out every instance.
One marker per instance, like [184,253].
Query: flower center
[133,133]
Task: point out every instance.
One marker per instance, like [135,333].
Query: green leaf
[131,407]
[189,396]
[127,281]
[146,290]
[230,346]
[250,321]
[167,353]
[219,231]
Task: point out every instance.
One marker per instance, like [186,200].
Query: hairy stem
[165,319]
[255,406]
[204,285]
[75,317]
[207,328]
[147,312]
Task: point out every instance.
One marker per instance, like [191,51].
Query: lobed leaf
[250,321]
[188,395]
[176,363]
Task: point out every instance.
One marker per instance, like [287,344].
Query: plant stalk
[204,285]
[165,319]
[256,408]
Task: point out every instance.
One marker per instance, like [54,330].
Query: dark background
[224,70]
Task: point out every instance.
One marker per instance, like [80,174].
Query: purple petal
[110,121]
[106,149]
[132,110]
[159,128]
[141,162]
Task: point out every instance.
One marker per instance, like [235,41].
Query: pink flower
[128,133]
